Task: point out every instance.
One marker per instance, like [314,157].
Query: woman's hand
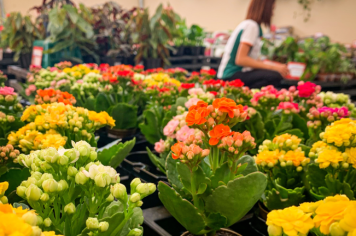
[282,69]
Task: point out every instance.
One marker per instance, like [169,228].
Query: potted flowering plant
[237,91]
[331,99]
[10,109]
[334,169]
[204,173]
[284,162]
[74,194]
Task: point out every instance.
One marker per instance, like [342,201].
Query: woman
[241,55]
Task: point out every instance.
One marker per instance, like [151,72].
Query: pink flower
[306,89]
[184,133]
[159,146]
[53,69]
[32,87]
[329,111]
[53,83]
[80,81]
[170,128]
[288,107]
[27,92]
[196,91]
[191,102]
[7,91]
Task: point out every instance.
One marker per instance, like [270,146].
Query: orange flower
[177,150]
[46,92]
[200,104]
[219,132]
[227,105]
[197,117]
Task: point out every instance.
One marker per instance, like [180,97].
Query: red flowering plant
[177,73]
[138,68]
[236,90]
[51,96]
[184,88]
[306,95]
[164,96]
[194,78]
[208,74]
[214,85]
[204,175]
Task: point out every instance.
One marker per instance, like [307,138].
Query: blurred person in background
[243,49]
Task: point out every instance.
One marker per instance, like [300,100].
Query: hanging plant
[306,7]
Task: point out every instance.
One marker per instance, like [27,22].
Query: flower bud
[345,165]
[36,231]
[20,191]
[39,220]
[274,230]
[135,197]
[142,189]
[81,178]
[134,183]
[36,175]
[33,193]
[4,200]
[102,180]
[63,160]
[47,222]
[92,223]
[93,155]
[336,230]
[50,186]
[103,226]
[69,208]
[62,185]
[72,155]
[152,188]
[139,203]
[135,232]
[299,168]
[110,198]
[83,147]
[44,197]
[72,171]
[119,191]
[50,155]
[30,218]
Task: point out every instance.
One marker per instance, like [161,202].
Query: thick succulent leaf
[125,116]
[14,176]
[90,104]
[102,103]
[172,173]
[296,132]
[251,164]
[221,174]
[299,123]
[114,222]
[113,208]
[236,198]
[316,176]
[281,198]
[150,128]
[182,210]
[157,161]
[216,221]
[124,150]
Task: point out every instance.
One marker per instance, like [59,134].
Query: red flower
[306,90]
[187,86]
[8,15]
[125,73]
[235,83]
[195,73]
[210,72]
[214,82]
[162,90]
[214,93]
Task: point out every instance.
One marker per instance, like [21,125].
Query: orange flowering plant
[50,96]
[285,164]
[205,172]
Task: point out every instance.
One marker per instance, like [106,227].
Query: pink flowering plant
[10,109]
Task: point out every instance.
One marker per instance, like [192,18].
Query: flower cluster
[306,94]
[208,74]
[236,88]
[79,71]
[214,85]
[331,99]
[160,79]
[319,118]
[288,107]
[19,221]
[340,133]
[194,77]
[63,64]
[8,98]
[54,125]
[191,155]
[178,73]
[57,174]
[269,97]
[3,78]
[331,216]
[235,144]
[8,154]
[52,96]
[197,94]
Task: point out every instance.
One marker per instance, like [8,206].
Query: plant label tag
[296,70]
[37,53]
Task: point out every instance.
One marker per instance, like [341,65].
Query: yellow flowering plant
[333,216]
[56,125]
[74,193]
[284,163]
[334,170]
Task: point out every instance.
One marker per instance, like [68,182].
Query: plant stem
[194,189]
[279,125]
[211,233]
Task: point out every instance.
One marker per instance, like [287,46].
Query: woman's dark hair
[261,11]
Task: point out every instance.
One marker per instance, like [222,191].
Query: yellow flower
[310,207]
[295,156]
[67,70]
[39,120]
[267,156]
[331,210]
[11,224]
[340,132]
[292,220]
[318,146]
[3,187]
[30,111]
[351,153]
[50,140]
[49,233]
[348,223]
[329,156]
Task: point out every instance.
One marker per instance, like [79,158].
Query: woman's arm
[242,59]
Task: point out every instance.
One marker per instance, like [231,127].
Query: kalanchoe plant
[237,91]
[283,161]
[10,109]
[74,193]
[205,173]
[335,161]
[331,99]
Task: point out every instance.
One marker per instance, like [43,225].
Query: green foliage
[157,161]
[125,116]
[115,154]
[14,176]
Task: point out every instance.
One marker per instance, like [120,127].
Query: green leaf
[113,208]
[156,17]
[125,116]
[236,198]
[114,222]
[124,150]
[251,165]
[216,221]
[72,13]
[24,206]
[14,176]
[281,198]
[295,132]
[202,188]
[157,161]
[299,123]
[102,102]
[222,174]
[150,127]
[172,173]
[182,210]
[90,104]
[85,27]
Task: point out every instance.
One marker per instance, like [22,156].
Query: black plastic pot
[202,50]
[25,60]
[195,50]
[128,60]
[151,63]
[180,51]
